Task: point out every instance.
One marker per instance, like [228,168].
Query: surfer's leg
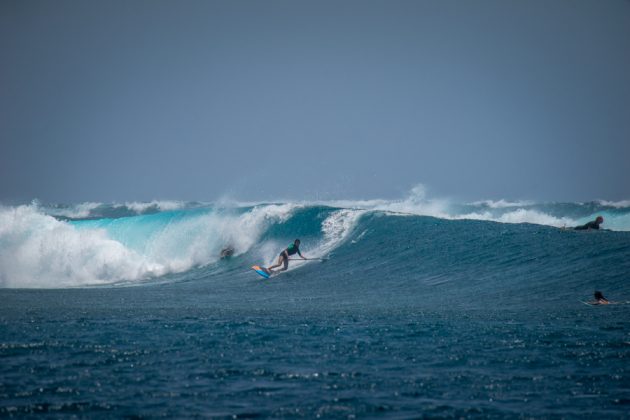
[278,264]
[283,260]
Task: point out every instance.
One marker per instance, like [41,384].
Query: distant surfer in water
[283,259]
[599,299]
[591,225]
[227,252]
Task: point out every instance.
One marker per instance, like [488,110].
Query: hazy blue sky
[140,100]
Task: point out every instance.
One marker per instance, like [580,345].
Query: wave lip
[500,204]
[96,210]
[142,207]
[623,204]
[519,215]
[78,211]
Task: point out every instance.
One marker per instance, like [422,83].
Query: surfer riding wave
[283,258]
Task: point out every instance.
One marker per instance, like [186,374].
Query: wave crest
[41,251]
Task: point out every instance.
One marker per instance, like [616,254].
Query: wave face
[420,247]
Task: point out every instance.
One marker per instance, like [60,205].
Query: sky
[261,100]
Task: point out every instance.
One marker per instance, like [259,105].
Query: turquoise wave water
[486,241]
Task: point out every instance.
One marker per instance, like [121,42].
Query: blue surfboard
[262,271]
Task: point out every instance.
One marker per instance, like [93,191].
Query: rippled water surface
[120,352]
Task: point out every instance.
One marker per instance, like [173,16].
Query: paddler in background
[599,299]
[591,225]
[283,259]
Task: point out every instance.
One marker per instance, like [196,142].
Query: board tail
[262,271]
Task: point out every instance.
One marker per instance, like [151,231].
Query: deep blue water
[119,312]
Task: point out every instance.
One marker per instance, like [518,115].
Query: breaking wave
[89,244]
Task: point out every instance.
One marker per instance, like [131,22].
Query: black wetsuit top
[589,225]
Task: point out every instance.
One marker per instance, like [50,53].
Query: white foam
[41,251]
[194,241]
[416,203]
[165,205]
[501,204]
[519,216]
[616,204]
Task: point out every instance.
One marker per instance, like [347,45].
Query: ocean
[421,309]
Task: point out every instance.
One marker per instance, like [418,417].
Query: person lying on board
[591,225]
[599,299]
[283,259]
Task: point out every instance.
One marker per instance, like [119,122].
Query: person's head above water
[598,295]
[297,242]
[599,219]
